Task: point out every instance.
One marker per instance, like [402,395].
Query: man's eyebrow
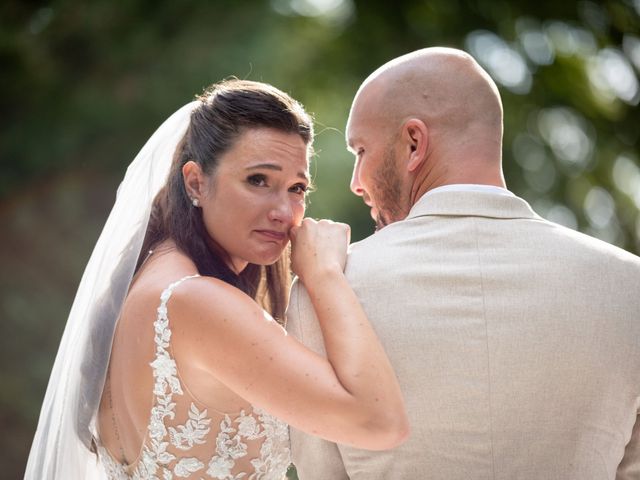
[351,141]
[272,166]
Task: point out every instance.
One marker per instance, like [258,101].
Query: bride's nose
[281,211]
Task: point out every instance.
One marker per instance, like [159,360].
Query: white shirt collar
[470,187]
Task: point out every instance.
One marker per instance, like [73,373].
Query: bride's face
[255,195]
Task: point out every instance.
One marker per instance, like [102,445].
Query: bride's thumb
[293,231]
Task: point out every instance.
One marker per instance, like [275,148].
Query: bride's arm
[351,397]
[353,350]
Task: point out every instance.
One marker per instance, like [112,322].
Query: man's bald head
[444,87]
[440,115]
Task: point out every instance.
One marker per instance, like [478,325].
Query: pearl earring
[195,202]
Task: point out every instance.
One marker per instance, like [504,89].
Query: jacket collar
[471,203]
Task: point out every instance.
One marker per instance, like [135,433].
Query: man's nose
[355,185]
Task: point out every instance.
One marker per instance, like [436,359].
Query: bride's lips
[273,235]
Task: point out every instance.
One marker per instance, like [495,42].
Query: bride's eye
[257,180]
[299,188]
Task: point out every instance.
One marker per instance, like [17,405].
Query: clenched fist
[318,247]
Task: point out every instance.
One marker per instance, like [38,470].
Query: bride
[174,363]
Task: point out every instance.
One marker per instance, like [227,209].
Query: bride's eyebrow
[269,166]
[273,166]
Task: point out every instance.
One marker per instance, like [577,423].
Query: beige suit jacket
[516,342]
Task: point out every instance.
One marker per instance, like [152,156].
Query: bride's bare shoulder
[210,298]
[194,297]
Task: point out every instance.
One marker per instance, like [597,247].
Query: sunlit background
[84,84]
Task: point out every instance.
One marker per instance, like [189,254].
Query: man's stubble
[388,190]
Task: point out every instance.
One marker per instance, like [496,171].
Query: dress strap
[161,325]
[164,367]
[167,292]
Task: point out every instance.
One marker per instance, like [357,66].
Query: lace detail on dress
[274,452]
[168,451]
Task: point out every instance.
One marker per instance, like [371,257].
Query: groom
[516,341]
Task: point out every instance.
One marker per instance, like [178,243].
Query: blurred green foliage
[84,84]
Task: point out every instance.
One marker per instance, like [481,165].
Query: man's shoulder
[385,253]
[385,237]
[372,246]
[584,245]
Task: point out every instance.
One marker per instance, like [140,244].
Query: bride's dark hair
[226,110]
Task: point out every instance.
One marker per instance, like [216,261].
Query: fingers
[317,245]
[293,231]
[323,230]
[322,223]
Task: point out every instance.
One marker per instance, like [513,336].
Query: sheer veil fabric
[63,443]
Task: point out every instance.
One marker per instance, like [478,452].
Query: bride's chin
[270,259]
[260,260]
[263,259]
[263,255]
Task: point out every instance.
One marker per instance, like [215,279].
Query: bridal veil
[64,440]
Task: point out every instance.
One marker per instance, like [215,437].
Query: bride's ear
[193,179]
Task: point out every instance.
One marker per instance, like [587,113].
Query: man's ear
[193,179]
[416,136]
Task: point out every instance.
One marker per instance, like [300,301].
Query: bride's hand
[318,247]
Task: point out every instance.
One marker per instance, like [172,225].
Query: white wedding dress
[185,439]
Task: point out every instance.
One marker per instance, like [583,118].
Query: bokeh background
[84,83]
